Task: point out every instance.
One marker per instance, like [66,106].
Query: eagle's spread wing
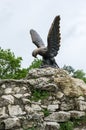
[36,39]
[54,38]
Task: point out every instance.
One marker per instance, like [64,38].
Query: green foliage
[35,64]
[70,69]
[38,94]
[75,73]
[21,73]
[10,66]
[70,125]
[67,126]
[80,74]
[79,121]
[46,112]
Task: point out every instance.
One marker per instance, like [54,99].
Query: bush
[67,126]
[10,66]
[35,64]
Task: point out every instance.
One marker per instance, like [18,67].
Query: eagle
[53,39]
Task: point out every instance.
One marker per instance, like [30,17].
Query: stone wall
[42,101]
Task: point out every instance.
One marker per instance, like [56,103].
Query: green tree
[36,63]
[75,73]
[10,66]
[80,74]
[70,69]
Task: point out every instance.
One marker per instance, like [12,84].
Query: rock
[60,78]
[60,116]
[28,124]
[36,107]
[36,103]
[8,98]
[20,129]
[29,109]
[15,110]
[55,102]
[36,73]
[3,113]
[81,98]
[50,87]
[27,94]
[38,116]
[53,108]
[81,128]
[26,101]
[77,114]
[70,87]
[59,95]
[11,122]
[3,86]
[16,89]
[61,98]
[24,88]
[65,106]
[51,126]
[8,90]
[43,83]
[81,105]
[18,95]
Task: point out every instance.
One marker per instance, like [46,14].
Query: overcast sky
[17,17]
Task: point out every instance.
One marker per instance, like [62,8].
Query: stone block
[53,108]
[76,114]
[8,98]
[3,113]
[51,126]
[11,122]
[15,110]
[36,107]
[81,105]
[60,116]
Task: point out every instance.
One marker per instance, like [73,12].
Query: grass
[67,126]
[39,95]
[46,112]
[79,121]
[70,125]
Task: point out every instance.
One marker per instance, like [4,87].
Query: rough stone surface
[53,108]
[3,112]
[77,114]
[46,98]
[15,110]
[81,105]
[51,125]
[8,98]
[8,90]
[12,122]
[60,116]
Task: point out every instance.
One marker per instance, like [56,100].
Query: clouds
[19,16]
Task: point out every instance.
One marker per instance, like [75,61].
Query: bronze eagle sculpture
[48,53]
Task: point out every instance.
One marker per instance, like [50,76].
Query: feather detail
[36,39]
[54,37]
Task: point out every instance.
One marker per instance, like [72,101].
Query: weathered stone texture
[60,116]
[19,110]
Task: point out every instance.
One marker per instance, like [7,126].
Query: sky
[17,17]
